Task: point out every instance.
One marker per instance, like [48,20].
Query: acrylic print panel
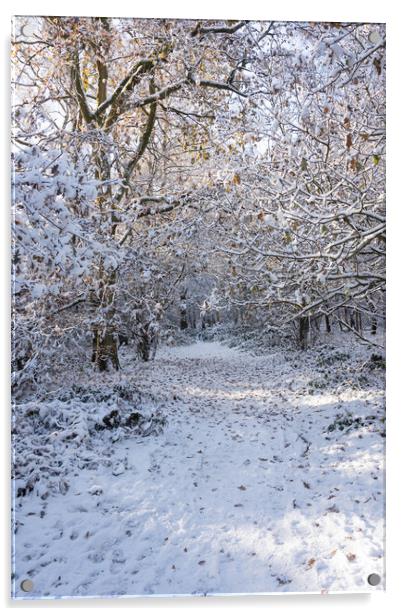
[198,307]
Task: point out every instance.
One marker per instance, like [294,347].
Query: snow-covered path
[244,492]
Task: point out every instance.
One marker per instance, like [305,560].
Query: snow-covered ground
[250,488]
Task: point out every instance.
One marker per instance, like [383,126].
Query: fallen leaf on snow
[310,563]
[333,509]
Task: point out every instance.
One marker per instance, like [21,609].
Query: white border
[378,604]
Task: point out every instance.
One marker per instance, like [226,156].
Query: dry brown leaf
[311,563]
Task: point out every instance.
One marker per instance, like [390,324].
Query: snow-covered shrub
[75,428]
[347,422]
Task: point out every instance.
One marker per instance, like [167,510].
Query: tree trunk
[327,324]
[352,320]
[359,325]
[144,346]
[192,318]
[374,321]
[183,317]
[341,325]
[148,341]
[183,311]
[304,326]
[355,320]
[105,338]
[105,349]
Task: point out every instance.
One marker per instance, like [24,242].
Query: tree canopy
[246,157]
